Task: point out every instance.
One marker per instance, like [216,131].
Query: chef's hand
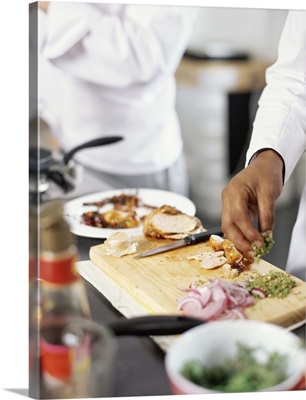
[252,193]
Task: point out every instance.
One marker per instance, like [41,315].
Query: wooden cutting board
[155,282]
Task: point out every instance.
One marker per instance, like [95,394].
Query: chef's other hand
[252,193]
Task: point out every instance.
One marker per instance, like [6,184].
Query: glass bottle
[64,362]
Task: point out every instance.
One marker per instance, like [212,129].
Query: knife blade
[187,241]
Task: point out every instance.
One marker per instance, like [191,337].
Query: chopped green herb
[265,249]
[273,284]
[242,373]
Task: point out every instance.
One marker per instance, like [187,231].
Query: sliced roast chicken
[168,222]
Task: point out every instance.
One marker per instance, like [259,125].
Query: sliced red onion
[217,306]
[196,303]
[217,299]
[191,309]
[258,292]
[238,313]
[206,295]
[227,314]
[235,313]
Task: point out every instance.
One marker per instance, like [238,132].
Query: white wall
[253,30]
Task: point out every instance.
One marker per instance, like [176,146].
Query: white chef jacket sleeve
[280,122]
[116,46]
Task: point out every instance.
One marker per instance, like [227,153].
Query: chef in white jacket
[278,142]
[109,69]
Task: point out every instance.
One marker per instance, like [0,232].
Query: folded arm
[116,45]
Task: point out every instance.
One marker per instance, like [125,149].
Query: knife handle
[154,325]
[202,236]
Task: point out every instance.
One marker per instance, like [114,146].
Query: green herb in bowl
[242,373]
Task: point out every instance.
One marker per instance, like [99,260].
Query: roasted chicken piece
[114,219]
[168,222]
[215,242]
[210,259]
[235,259]
[231,253]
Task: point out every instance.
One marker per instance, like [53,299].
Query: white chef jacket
[109,70]
[280,122]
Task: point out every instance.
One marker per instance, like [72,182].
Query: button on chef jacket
[110,70]
[280,122]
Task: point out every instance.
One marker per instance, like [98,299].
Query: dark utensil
[92,143]
[153,325]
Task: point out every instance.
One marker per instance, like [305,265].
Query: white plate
[74,209]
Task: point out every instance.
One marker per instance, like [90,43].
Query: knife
[187,241]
